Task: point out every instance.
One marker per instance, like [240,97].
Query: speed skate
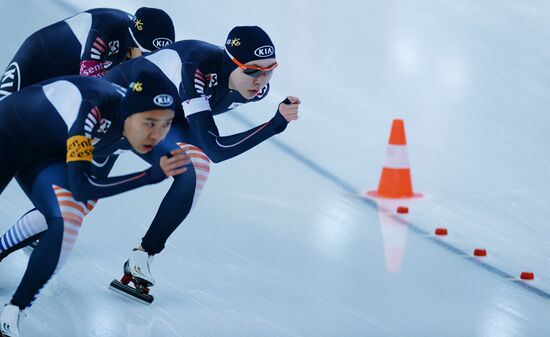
[138,290]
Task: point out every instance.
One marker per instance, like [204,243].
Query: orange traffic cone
[395,181]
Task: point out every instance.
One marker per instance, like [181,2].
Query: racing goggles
[250,70]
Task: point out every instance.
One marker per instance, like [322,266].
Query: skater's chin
[143,149]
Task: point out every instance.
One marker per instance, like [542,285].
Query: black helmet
[151,29]
[149,90]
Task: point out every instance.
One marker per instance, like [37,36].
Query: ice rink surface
[280,244]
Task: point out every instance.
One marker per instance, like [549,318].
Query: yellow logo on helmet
[136,86]
[138,24]
[235,42]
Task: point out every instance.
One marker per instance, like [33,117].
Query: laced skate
[137,272]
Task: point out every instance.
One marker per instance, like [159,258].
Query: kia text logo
[163,100]
[160,42]
[11,80]
[264,51]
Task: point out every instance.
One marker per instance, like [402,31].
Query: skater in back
[89,43]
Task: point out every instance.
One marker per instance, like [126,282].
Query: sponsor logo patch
[136,86]
[91,68]
[79,148]
[264,51]
[212,80]
[11,80]
[104,125]
[262,92]
[114,47]
[138,24]
[163,100]
[234,42]
[161,42]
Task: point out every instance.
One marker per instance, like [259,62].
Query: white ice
[280,244]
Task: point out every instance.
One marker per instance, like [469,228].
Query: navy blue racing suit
[50,135]
[88,43]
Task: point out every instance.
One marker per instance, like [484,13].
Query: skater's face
[146,129]
[250,78]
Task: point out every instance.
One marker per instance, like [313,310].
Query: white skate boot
[139,265]
[137,277]
[9,321]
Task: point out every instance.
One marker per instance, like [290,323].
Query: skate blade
[131,292]
[144,282]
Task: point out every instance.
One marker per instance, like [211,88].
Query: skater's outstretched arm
[220,148]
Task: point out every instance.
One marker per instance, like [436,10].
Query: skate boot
[136,271]
[139,266]
[9,321]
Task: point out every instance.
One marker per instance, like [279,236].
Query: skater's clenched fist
[174,163]
[289,108]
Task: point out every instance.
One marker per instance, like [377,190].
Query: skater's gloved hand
[174,163]
[287,112]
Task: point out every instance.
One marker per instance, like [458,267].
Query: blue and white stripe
[28,225]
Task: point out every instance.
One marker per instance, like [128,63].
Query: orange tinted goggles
[253,71]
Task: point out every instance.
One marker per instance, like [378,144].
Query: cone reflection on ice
[395,181]
[394,233]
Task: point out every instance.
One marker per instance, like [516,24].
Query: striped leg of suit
[201,164]
[73,213]
[179,200]
[24,231]
[64,216]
